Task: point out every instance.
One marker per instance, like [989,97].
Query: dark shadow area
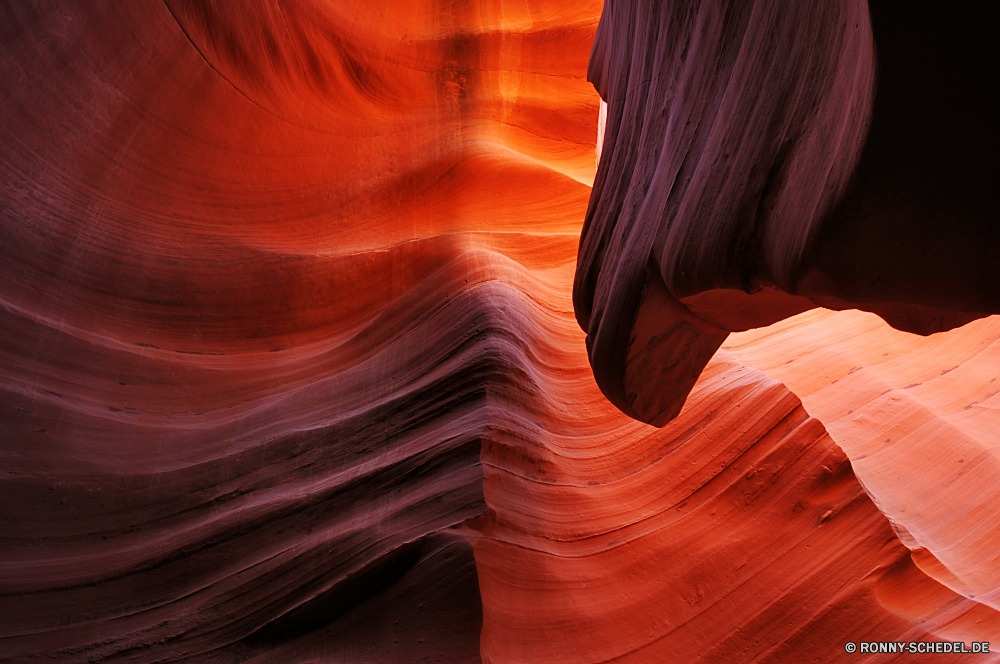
[421,603]
[921,221]
[334,603]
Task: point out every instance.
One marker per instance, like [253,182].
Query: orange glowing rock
[258,287]
[292,373]
[917,417]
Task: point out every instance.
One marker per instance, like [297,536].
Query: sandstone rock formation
[264,267]
[761,160]
[291,370]
[918,419]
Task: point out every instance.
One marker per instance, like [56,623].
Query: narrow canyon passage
[291,371]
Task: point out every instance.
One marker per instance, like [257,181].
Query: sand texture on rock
[291,358]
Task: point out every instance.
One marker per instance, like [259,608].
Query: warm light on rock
[328,332]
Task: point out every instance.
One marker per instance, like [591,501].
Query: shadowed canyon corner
[334,331]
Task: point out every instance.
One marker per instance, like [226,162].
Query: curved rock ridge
[760,160]
[255,292]
[738,532]
[918,418]
[290,370]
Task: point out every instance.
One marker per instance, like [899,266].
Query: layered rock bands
[291,370]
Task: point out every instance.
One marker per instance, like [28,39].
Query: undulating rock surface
[291,370]
[736,533]
[918,417]
[259,279]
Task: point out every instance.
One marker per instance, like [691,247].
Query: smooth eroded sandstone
[761,159]
[291,371]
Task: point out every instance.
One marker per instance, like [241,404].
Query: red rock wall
[917,417]
[736,533]
[255,283]
[291,370]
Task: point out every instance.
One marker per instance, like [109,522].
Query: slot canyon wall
[324,339]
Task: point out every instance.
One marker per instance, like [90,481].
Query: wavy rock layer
[736,533]
[290,369]
[255,296]
[918,419]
